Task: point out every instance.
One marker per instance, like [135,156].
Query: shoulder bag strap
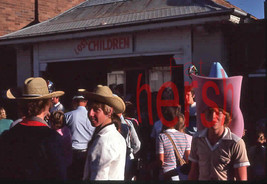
[181,160]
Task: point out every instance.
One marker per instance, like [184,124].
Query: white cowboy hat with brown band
[34,88]
[103,94]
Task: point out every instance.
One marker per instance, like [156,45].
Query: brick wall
[16,14]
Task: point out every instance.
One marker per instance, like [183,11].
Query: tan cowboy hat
[103,94]
[34,88]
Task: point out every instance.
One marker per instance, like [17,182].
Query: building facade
[129,43]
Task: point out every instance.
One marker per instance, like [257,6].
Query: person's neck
[107,121]
[214,135]
[42,116]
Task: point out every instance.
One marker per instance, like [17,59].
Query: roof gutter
[240,13]
[122,28]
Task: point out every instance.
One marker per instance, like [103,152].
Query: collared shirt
[106,156]
[57,107]
[217,162]
[80,127]
[34,119]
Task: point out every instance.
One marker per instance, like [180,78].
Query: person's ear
[110,111]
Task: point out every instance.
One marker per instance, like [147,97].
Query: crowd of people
[101,139]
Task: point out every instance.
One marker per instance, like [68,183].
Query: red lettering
[126,42]
[79,48]
[76,52]
[164,103]
[102,44]
[171,66]
[115,43]
[109,43]
[121,43]
[89,46]
[149,100]
[209,102]
[83,43]
[96,45]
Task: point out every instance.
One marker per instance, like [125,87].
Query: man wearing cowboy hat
[81,133]
[218,152]
[107,151]
[31,150]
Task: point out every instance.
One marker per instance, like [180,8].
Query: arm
[161,159]
[241,173]
[193,157]
[193,174]
[159,152]
[186,154]
[241,161]
[135,142]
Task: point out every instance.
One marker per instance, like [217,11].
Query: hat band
[77,97]
[31,95]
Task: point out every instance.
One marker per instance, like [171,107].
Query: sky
[253,7]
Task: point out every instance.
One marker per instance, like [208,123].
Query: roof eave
[111,29]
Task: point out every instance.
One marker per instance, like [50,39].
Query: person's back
[31,152]
[5,125]
[80,127]
[165,146]
[81,133]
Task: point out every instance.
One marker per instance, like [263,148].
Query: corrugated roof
[104,13]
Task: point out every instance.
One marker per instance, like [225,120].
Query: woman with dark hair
[166,150]
[31,150]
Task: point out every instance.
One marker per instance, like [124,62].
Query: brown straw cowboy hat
[103,94]
[34,88]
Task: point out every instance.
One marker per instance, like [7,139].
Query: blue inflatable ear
[216,72]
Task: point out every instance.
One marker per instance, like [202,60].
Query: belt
[81,150]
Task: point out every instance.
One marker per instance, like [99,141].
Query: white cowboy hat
[103,94]
[34,88]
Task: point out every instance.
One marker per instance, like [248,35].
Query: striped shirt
[164,146]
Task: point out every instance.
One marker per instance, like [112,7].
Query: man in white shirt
[107,150]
